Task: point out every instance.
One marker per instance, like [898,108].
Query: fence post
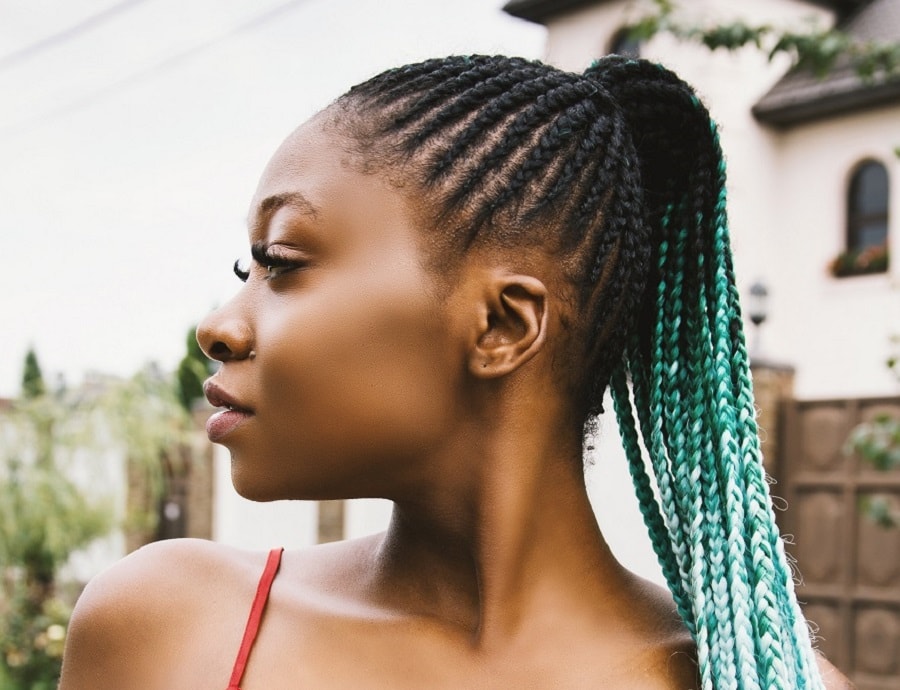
[773,383]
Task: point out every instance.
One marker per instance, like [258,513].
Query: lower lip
[223,423]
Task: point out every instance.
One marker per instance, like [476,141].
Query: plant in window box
[857,262]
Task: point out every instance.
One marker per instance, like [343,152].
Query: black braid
[548,109]
[472,87]
[488,117]
[415,78]
[668,164]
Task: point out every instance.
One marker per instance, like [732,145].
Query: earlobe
[513,328]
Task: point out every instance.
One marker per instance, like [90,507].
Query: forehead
[315,174]
[309,160]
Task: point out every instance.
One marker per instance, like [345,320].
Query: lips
[224,422]
[219,398]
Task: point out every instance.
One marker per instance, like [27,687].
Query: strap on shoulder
[256,611]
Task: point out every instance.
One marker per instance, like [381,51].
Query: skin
[369,374]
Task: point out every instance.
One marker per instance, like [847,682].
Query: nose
[225,337]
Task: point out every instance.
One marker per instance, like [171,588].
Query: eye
[275,264]
[275,270]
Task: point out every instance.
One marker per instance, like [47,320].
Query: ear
[513,325]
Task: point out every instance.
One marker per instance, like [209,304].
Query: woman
[451,264]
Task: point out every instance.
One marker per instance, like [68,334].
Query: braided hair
[619,173]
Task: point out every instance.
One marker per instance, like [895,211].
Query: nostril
[220,351]
[223,336]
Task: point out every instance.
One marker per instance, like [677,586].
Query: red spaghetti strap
[256,612]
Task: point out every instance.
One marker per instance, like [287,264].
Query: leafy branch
[818,50]
[877,442]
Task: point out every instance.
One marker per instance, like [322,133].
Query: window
[625,45]
[867,207]
[867,222]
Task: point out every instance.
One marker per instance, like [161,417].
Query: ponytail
[619,173]
[713,527]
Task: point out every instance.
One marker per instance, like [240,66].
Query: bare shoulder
[672,654]
[672,664]
[677,670]
[668,658]
[147,607]
[833,679]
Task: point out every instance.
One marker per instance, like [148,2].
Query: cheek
[365,370]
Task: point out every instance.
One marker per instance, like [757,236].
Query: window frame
[856,259]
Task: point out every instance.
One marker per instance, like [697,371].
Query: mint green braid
[713,526]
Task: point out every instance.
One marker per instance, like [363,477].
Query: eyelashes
[273,264]
[240,272]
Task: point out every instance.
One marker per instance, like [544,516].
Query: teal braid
[653,519]
[681,436]
[692,392]
[708,531]
[700,484]
[759,502]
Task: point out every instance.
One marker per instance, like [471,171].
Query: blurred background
[132,134]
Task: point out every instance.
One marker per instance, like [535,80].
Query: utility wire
[162,66]
[66,35]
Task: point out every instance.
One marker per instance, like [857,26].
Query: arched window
[624,44]
[867,222]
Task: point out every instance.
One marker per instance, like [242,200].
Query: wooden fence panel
[850,565]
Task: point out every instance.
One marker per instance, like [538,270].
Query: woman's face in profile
[356,363]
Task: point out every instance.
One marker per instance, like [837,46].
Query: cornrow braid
[619,173]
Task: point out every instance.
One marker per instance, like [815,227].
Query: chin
[259,494]
[256,488]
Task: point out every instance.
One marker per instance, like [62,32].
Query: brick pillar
[200,488]
[772,383]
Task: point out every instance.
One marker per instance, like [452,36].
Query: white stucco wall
[835,330]
[101,474]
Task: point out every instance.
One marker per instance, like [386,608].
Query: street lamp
[757,310]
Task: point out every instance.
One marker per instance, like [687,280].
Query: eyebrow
[270,204]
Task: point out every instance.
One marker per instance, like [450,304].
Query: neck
[500,539]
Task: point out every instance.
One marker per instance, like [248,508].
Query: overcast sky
[132,134]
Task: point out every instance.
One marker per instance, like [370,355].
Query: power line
[66,35]
[162,66]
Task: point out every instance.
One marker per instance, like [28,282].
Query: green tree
[32,378]
[878,444]
[192,371]
[52,447]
